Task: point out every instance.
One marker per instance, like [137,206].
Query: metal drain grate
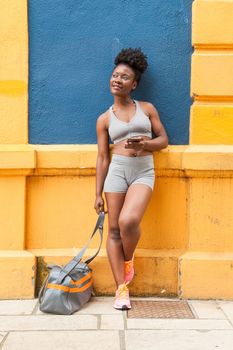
[159,309]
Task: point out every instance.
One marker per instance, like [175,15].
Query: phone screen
[135,139]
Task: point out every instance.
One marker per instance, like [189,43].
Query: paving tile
[48,322]
[227,307]
[177,324]
[63,340]
[179,340]
[17,307]
[112,321]
[101,305]
[207,309]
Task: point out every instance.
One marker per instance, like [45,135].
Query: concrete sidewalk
[99,327]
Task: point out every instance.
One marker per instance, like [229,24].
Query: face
[122,81]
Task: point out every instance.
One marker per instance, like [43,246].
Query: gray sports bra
[139,125]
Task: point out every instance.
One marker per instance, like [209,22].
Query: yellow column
[206,268]
[212,72]
[16,158]
[13,71]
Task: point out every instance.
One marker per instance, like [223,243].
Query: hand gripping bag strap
[99,225]
[74,262]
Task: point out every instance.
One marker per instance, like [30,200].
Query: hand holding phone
[135,143]
[134,139]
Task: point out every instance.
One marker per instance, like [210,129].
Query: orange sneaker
[129,271]
[122,301]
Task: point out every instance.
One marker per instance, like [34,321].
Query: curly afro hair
[134,58]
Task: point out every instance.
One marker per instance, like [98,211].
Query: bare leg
[136,201]
[115,252]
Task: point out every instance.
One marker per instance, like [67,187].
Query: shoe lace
[123,291]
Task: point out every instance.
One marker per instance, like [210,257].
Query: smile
[115,86]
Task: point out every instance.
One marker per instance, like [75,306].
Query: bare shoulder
[149,109]
[103,119]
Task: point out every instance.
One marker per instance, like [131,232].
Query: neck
[122,101]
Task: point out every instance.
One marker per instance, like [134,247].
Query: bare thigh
[135,203]
[115,203]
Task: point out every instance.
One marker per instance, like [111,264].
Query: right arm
[103,160]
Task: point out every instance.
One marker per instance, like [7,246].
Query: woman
[128,180]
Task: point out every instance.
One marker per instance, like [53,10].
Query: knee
[128,223]
[114,232]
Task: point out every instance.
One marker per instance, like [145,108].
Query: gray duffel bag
[67,288]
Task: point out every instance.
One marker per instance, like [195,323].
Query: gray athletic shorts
[124,171]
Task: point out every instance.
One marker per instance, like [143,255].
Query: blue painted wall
[72,48]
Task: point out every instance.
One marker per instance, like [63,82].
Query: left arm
[161,139]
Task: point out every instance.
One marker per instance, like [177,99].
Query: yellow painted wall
[211,72]
[211,208]
[12,209]
[212,23]
[13,71]
[17,266]
[211,123]
[190,211]
[60,203]
[209,257]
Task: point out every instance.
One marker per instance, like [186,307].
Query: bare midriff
[119,148]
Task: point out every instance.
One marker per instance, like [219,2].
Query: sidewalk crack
[122,340]
[4,340]
[35,309]
[227,318]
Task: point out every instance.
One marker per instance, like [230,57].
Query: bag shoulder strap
[75,261]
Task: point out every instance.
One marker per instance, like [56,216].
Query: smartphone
[135,139]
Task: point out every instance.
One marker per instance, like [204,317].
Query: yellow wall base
[18,273]
[47,197]
[204,275]
[156,271]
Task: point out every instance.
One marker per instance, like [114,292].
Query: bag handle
[75,261]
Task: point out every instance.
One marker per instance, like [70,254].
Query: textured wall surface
[211,116]
[72,48]
[13,72]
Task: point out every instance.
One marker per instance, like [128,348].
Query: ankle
[120,285]
[129,260]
